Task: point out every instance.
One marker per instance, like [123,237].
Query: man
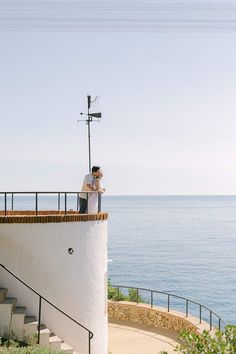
[89,185]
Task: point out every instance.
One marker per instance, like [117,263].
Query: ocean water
[185,245]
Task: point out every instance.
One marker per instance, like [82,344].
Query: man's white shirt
[88,179]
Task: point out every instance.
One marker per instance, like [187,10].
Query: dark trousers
[83,205]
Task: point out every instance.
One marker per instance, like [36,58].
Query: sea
[183,245]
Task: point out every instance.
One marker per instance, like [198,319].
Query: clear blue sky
[168,105]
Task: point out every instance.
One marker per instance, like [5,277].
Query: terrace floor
[131,338]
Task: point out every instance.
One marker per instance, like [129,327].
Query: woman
[93,197]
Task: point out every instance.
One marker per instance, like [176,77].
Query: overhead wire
[117,16]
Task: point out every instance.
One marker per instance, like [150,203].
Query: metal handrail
[90,333]
[169,296]
[59,194]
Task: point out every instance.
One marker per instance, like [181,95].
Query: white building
[64,259]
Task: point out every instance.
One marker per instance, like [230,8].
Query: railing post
[137,296]
[210,320]
[99,202]
[118,292]
[186,308]
[151,299]
[219,324]
[9,331]
[89,344]
[5,203]
[87,196]
[39,318]
[65,203]
[90,337]
[59,201]
[36,203]
[200,313]
[77,201]
[168,302]
[12,201]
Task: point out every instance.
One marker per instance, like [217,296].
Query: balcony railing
[42,299]
[61,201]
[168,303]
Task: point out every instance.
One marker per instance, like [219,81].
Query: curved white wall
[76,283]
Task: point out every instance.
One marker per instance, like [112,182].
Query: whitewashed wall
[76,283]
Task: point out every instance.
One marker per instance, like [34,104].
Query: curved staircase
[14,319]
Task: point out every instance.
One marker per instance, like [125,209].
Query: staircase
[23,326]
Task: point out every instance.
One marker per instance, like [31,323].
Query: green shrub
[206,343]
[31,340]
[116,294]
[29,350]
[4,342]
[133,296]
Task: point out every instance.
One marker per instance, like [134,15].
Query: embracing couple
[92,183]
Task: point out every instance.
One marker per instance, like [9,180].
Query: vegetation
[206,343]
[222,342]
[116,294]
[29,347]
[28,350]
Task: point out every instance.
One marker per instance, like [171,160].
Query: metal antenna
[91,117]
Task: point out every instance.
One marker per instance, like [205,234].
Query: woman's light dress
[93,197]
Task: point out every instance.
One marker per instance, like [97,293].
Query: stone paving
[130,338]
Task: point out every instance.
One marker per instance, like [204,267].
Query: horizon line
[170,195]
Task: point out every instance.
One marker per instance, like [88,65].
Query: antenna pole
[89,142]
[91,117]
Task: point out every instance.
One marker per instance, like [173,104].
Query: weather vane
[91,117]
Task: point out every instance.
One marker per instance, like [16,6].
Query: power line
[117,16]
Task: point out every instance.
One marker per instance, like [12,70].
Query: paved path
[130,338]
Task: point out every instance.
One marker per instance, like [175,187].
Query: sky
[167,101]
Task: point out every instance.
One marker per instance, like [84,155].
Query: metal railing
[169,297]
[9,200]
[90,333]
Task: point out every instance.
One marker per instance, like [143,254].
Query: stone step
[66,348]
[20,311]
[30,326]
[30,319]
[7,307]
[54,341]
[17,325]
[44,336]
[3,292]
[9,301]
[23,326]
